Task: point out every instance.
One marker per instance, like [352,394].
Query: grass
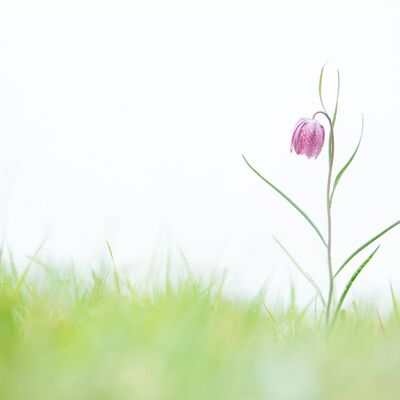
[100,337]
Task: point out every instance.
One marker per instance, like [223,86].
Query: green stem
[329,214]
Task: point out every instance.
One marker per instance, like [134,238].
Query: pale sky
[126,122]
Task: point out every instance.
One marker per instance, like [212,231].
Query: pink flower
[308,137]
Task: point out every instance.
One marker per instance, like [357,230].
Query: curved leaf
[321,78]
[304,273]
[24,274]
[341,172]
[395,303]
[337,100]
[350,283]
[116,277]
[304,310]
[288,199]
[362,247]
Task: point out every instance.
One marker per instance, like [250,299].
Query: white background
[126,122]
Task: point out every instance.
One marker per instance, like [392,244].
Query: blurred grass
[68,337]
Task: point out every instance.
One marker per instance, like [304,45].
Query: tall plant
[308,139]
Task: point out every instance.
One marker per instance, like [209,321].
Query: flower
[308,137]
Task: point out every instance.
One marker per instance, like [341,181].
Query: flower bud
[308,137]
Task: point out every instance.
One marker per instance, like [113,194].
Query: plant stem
[329,215]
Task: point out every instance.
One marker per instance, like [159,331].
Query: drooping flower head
[308,137]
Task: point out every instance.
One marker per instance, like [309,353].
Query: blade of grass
[292,305]
[116,277]
[341,172]
[350,283]
[395,303]
[13,267]
[185,260]
[24,274]
[98,289]
[270,314]
[305,274]
[40,263]
[2,268]
[275,324]
[168,279]
[288,200]
[76,290]
[362,247]
[381,326]
[356,309]
[304,310]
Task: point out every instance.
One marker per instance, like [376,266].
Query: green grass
[100,337]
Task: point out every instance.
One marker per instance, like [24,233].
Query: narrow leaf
[366,244]
[270,315]
[321,79]
[24,274]
[305,273]
[341,172]
[334,118]
[380,322]
[288,200]
[395,303]
[13,267]
[337,100]
[116,277]
[350,283]
[304,311]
